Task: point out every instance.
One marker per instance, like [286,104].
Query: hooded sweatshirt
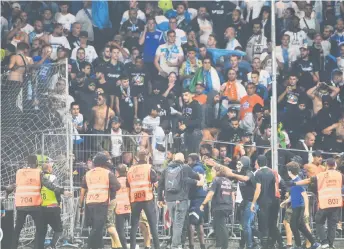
[247,188]
[195,191]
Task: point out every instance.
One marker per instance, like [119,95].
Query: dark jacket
[195,191]
[189,178]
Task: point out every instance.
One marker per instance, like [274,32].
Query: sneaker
[324,246]
[316,245]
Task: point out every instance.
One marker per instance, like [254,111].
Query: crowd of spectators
[198,70]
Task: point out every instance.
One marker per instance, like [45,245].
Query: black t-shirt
[77,65]
[165,110]
[114,72]
[128,26]
[304,68]
[266,178]
[223,189]
[247,188]
[126,100]
[192,115]
[108,87]
[291,99]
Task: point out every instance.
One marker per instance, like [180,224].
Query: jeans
[120,226]
[332,215]
[221,231]
[51,217]
[150,211]
[192,141]
[98,215]
[297,224]
[247,221]
[177,212]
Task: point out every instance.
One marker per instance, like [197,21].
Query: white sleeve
[94,54]
[241,91]
[125,17]
[66,43]
[73,55]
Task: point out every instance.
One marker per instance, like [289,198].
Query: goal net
[38,105]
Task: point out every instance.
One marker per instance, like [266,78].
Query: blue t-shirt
[152,41]
[296,194]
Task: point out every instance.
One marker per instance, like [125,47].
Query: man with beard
[327,34]
[131,29]
[240,27]
[338,35]
[306,147]
[257,43]
[297,36]
[139,78]
[115,68]
[78,63]
[315,167]
[141,138]
[37,32]
[306,69]
[73,37]
[190,124]
[56,39]
[104,58]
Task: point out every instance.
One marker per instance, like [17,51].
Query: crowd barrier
[71,161]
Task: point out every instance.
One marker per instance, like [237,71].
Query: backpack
[173,179]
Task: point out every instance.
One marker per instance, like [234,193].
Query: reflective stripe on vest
[48,196]
[122,197]
[329,189]
[98,182]
[28,190]
[140,183]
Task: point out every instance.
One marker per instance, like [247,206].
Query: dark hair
[150,19]
[202,46]
[122,169]
[125,77]
[293,167]
[74,104]
[194,157]
[255,72]
[234,119]
[80,48]
[171,32]
[254,22]
[22,46]
[112,48]
[206,58]
[250,84]
[84,65]
[57,25]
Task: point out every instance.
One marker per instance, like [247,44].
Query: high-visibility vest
[122,197]
[140,183]
[98,184]
[28,188]
[48,196]
[329,189]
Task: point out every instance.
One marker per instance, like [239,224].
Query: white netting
[37,105]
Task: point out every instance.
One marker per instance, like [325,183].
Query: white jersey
[297,39]
[66,20]
[256,45]
[90,53]
[57,42]
[116,143]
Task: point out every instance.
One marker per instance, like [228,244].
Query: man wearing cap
[140,180]
[306,68]
[329,190]
[90,52]
[101,186]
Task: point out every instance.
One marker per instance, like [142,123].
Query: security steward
[101,186]
[123,208]
[329,189]
[51,210]
[29,182]
[140,180]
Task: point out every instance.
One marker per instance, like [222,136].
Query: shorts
[111,218]
[288,213]
[195,214]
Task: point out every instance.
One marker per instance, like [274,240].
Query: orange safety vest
[28,188]
[122,197]
[329,189]
[98,183]
[140,183]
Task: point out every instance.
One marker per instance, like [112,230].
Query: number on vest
[126,207]
[332,201]
[44,196]
[139,195]
[93,197]
[26,200]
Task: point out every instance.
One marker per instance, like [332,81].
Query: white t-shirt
[264,78]
[90,53]
[255,46]
[116,143]
[169,53]
[65,20]
[180,37]
[78,121]
[158,138]
[206,27]
[27,29]
[231,45]
[254,7]
[4,25]
[57,42]
[150,123]
[140,15]
[297,39]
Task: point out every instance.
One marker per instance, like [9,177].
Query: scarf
[127,96]
[207,78]
[189,68]
[231,91]
[208,81]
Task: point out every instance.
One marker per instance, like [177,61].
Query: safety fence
[72,159]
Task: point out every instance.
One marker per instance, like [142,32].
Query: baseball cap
[304,46]
[317,153]
[231,109]
[258,108]
[191,49]
[156,107]
[138,121]
[246,134]
[101,159]
[115,119]
[83,34]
